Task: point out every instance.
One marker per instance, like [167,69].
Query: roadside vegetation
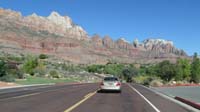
[41,80]
[184,71]
[33,69]
[38,69]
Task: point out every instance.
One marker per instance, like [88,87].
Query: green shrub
[40,69]
[43,56]
[15,58]
[8,78]
[8,75]
[139,79]
[20,75]
[30,64]
[39,72]
[156,83]
[146,79]
[16,73]
[54,74]
[3,68]
[95,68]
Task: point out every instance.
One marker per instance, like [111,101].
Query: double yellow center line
[86,97]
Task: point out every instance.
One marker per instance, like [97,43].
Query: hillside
[61,38]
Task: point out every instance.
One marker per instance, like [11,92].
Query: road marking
[154,107]
[32,94]
[60,89]
[86,97]
[20,96]
[26,95]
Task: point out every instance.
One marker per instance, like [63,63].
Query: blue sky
[176,20]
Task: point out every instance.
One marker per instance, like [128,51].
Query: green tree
[183,70]
[166,70]
[3,68]
[30,64]
[95,68]
[195,69]
[4,76]
[152,70]
[129,72]
[114,69]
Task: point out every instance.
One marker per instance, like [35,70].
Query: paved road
[85,98]
[187,92]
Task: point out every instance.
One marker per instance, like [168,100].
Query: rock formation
[58,36]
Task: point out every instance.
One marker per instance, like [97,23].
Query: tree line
[183,70]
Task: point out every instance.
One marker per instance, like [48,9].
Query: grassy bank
[39,80]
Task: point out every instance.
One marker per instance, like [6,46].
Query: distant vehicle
[111,84]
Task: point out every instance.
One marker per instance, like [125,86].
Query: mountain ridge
[57,35]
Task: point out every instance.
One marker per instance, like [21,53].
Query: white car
[111,84]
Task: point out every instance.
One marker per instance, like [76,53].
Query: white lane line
[26,95]
[154,107]
[32,94]
[22,96]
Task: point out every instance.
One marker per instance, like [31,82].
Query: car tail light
[118,84]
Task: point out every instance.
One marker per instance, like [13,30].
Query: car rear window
[110,79]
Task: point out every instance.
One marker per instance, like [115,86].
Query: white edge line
[154,107]
[171,98]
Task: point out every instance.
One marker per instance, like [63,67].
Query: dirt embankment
[7,84]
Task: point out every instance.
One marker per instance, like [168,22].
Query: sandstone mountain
[59,37]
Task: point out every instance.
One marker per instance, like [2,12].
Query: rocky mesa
[61,38]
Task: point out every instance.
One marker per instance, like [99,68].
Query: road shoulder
[170,97]
[163,102]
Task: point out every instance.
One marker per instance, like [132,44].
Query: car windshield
[110,79]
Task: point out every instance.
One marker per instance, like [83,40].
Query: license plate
[110,84]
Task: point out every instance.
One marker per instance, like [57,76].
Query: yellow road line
[86,97]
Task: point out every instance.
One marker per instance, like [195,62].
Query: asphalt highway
[85,98]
